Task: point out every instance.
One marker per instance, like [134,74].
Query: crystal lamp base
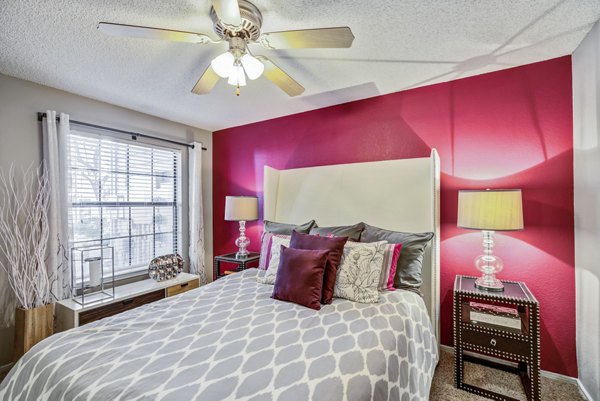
[489,283]
[489,264]
[242,242]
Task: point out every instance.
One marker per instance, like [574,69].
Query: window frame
[132,271]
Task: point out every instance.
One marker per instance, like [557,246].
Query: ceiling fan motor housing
[248,30]
[237,46]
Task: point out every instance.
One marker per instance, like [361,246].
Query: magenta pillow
[300,276]
[393,263]
[335,246]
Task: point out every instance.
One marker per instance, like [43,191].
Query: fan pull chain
[237,90]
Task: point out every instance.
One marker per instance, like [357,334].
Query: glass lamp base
[241,255]
[242,242]
[488,283]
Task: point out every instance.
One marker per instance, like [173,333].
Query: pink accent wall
[507,129]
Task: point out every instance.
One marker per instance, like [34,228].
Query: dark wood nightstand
[242,263]
[518,346]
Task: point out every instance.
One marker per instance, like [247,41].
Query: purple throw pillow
[300,277]
[335,246]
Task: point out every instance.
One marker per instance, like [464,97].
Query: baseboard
[584,392]
[543,373]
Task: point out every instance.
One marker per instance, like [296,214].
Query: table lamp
[242,209]
[490,210]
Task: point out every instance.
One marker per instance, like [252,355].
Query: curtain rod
[134,135]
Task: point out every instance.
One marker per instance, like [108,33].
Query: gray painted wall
[586,130]
[21,144]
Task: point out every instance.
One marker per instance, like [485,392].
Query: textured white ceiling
[399,44]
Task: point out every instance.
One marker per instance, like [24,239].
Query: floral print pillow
[359,272]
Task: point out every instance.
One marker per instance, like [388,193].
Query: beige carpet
[495,380]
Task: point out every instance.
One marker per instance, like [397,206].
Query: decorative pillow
[272,227]
[410,262]
[286,229]
[391,254]
[273,258]
[335,246]
[359,271]
[300,276]
[352,232]
[265,246]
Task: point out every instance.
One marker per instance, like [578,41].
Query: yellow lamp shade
[241,208]
[493,210]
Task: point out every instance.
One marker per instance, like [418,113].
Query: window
[126,195]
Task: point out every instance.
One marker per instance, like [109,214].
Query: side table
[242,263]
[520,346]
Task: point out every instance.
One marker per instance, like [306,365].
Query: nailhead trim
[532,338]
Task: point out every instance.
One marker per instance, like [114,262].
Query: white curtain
[55,138]
[196,222]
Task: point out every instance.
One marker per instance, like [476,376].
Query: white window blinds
[124,195]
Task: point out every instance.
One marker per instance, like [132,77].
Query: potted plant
[24,234]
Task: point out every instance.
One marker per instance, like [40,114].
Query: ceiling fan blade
[146,32]
[308,38]
[207,82]
[228,11]
[281,78]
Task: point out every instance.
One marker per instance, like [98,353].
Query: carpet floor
[443,389]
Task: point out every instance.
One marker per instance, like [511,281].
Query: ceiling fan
[238,23]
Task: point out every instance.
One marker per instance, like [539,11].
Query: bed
[230,341]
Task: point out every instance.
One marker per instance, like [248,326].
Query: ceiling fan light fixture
[223,64]
[253,67]
[237,77]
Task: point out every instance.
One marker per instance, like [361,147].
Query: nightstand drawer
[181,288]
[495,343]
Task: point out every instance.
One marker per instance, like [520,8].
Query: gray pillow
[352,232]
[410,262]
[286,229]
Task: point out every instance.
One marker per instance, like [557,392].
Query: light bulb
[237,77]
[254,68]
[223,64]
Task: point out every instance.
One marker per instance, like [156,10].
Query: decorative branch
[24,231]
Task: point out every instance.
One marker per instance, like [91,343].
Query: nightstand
[519,347]
[242,263]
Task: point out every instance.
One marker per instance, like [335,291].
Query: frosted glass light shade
[494,210]
[253,67]
[241,208]
[237,77]
[223,64]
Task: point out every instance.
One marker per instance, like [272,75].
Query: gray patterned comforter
[230,341]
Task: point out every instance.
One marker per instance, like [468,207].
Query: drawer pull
[184,285]
[493,342]
[126,302]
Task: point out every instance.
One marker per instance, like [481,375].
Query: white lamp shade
[241,208]
[223,64]
[253,67]
[237,77]
[493,210]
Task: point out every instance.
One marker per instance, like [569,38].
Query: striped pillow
[391,254]
[265,248]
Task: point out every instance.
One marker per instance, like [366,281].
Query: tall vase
[31,327]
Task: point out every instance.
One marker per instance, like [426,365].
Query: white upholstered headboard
[398,195]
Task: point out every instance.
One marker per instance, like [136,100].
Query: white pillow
[360,268]
[271,273]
